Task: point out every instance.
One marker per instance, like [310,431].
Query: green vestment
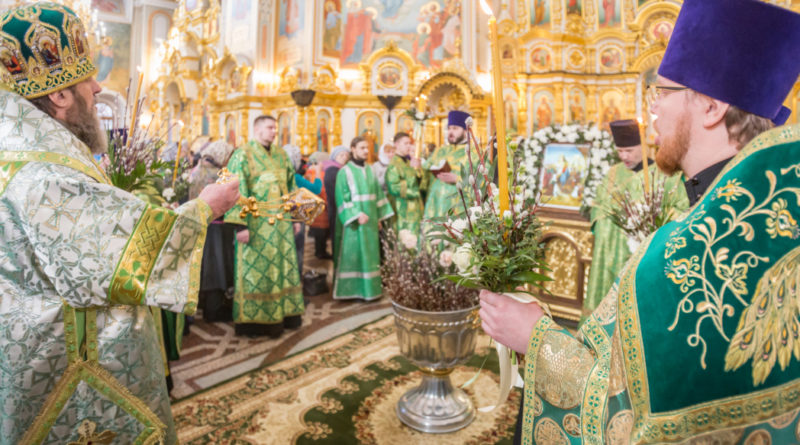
[81,265]
[403,184]
[267,280]
[357,249]
[699,339]
[611,251]
[443,197]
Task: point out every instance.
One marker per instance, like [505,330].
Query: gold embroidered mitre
[43,48]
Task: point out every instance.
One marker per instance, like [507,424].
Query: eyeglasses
[655,92]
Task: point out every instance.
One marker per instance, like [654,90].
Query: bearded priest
[81,260]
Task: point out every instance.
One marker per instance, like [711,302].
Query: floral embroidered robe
[80,262]
[403,187]
[267,280]
[442,197]
[699,339]
[610,250]
[357,249]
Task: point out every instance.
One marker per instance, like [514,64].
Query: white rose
[168,193]
[408,239]
[185,176]
[459,225]
[463,257]
[420,115]
[446,258]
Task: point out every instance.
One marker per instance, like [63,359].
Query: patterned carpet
[212,353]
[341,392]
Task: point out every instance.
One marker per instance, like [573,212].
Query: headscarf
[294,155]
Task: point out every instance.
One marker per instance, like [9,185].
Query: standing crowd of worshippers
[695,341]
[258,261]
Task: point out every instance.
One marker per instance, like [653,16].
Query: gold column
[558,107]
[630,105]
[213,125]
[592,114]
[300,127]
[336,137]
[244,118]
[311,135]
[197,120]
[522,104]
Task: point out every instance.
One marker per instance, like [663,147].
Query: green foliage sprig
[494,251]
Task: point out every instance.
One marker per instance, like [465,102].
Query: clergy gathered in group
[84,263]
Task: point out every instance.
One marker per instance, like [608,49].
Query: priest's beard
[83,122]
[674,148]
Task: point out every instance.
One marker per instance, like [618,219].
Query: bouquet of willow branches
[640,214]
[133,162]
[493,250]
[410,275]
[134,166]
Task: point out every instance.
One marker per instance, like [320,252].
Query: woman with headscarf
[217,270]
[384,158]
[314,187]
[339,157]
[319,229]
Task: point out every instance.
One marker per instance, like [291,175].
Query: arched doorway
[446,91]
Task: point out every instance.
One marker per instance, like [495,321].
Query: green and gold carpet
[341,392]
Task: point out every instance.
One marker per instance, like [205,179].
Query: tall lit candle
[645,161]
[499,117]
[132,128]
[178,155]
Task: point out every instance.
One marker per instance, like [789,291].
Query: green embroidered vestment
[611,250]
[80,262]
[357,249]
[404,184]
[267,280]
[443,197]
[699,339]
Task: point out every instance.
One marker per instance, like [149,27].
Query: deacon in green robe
[443,198]
[611,249]
[404,184]
[698,341]
[361,205]
[268,294]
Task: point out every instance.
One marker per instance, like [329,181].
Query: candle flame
[139,68]
[486,8]
[640,120]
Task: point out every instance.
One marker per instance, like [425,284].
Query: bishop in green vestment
[611,249]
[699,339]
[443,198]
[268,294]
[361,205]
[82,262]
[404,184]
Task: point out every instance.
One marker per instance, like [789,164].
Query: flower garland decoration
[602,155]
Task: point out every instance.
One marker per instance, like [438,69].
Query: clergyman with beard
[81,260]
[446,166]
[698,341]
